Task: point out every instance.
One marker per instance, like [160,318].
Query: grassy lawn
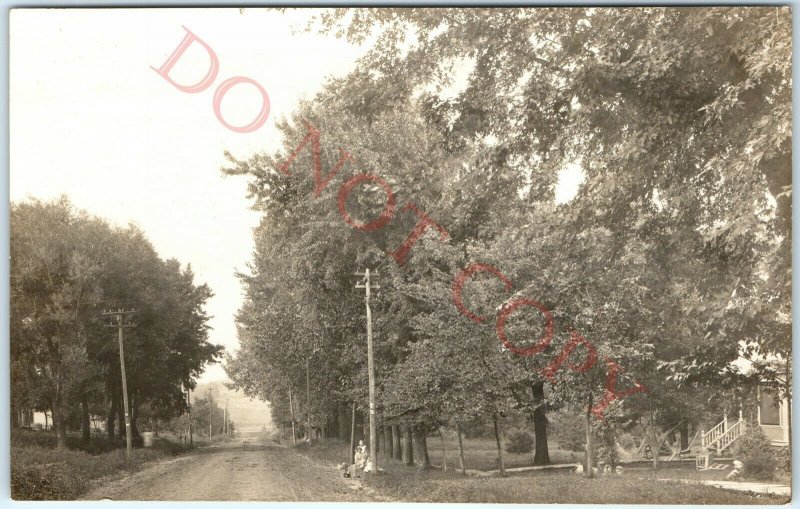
[481,454]
[39,471]
[557,487]
[409,484]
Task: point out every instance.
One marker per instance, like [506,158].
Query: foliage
[672,260]
[755,452]
[519,442]
[40,471]
[783,463]
[205,412]
[67,268]
[569,431]
[606,432]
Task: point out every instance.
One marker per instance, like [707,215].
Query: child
[361,458]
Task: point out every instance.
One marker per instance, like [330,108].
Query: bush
[519,442]
[40,471]
[755,453]
[627,441]
[604,433]
[783,457]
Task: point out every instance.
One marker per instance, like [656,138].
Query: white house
[774,414]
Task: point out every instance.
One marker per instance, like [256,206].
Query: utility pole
[209,413]
[373,442]
[120,315]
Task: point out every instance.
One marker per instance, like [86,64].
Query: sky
[91,119]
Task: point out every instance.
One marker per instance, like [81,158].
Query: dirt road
[242,470]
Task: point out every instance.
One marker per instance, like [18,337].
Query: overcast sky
[90,119]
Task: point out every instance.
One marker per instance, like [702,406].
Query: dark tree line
[67,267]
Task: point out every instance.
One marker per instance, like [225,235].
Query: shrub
[40,471]
[783,457]
[755,452]
[627,441]
[605,435]
[519,442]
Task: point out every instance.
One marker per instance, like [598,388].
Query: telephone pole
[373,441]
[120,315]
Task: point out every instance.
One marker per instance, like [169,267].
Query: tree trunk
[655,447]
[423,461]
[291,413]
[589,450]
[386,441]
[134,416]
[788,386]
[408,446]
[59,425]
[87,433]
[331,427]
[352,437]
[542,454]
[389,441]
[61,430]
[461,451]
[444,451]
[110,419]
[684,429]
[397,451]
[59,415]
[344,424]
[496,422]
[121,415]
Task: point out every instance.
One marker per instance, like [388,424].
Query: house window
[770,409]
